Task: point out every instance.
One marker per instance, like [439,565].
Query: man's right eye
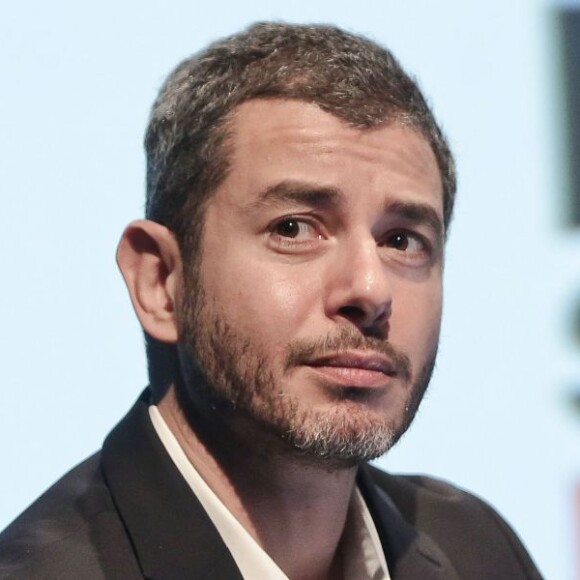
[295,229]
[296,235]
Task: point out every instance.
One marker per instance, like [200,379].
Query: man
[288,278]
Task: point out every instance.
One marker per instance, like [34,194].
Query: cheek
[261,298]
[290,298]
[416,318]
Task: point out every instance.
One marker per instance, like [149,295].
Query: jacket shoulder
[467,529]
[64,532]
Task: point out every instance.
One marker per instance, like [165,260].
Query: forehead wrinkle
[298,192]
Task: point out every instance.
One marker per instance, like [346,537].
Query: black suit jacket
[126,513]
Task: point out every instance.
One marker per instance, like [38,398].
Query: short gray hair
[344,74]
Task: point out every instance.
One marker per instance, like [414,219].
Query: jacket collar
[171,533]
[410,553]
[174,538]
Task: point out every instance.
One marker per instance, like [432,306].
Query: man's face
[315,310]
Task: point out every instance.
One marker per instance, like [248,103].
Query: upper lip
[359,360]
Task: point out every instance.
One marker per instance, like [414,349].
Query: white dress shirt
[363,555]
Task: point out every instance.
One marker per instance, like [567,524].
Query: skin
[320,231]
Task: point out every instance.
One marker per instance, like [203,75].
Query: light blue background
[77,82]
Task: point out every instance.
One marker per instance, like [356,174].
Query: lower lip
[353,376]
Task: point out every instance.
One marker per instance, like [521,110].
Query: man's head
[346,75]
[306,191]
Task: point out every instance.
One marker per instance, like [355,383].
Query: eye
[409,245]
[404,242]
[296,235]
[294,228]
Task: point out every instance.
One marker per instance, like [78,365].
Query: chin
[342,437]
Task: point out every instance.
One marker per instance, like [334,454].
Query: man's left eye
[405,242]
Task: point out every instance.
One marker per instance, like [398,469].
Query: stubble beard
[227,373]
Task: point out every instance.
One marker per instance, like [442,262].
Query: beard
[226,372]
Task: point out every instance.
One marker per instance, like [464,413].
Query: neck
[290,507]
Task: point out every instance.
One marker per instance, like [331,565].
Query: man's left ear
[149,259]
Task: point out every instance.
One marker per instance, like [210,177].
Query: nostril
[383,316]
[370,322]
[353,313]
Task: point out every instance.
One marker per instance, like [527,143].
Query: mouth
[355,369]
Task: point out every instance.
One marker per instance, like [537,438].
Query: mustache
[306,351]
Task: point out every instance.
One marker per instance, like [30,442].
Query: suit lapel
[173,537]
[171,534]
[410,554]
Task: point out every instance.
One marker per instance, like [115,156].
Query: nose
[359,287]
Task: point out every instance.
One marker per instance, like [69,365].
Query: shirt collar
[363,556]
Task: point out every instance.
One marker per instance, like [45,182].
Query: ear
[149,259]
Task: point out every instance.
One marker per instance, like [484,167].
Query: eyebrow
[417,213]
[291,191]
[323,197]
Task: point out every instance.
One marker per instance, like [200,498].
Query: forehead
[274,139]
